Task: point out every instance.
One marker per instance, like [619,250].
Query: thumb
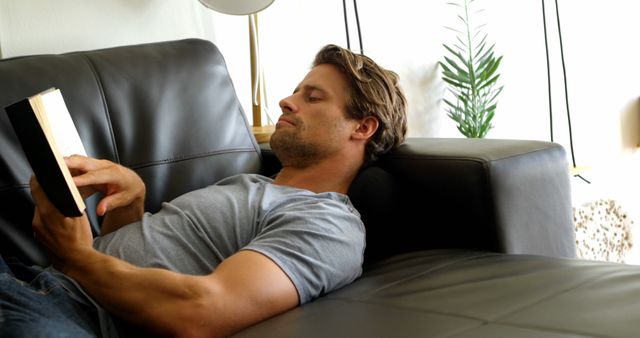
[110,202]
[102,207]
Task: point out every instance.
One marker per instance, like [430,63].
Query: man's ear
[366,128]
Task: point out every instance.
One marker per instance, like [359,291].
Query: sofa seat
[465,294]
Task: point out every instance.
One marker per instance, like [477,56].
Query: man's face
[314,123]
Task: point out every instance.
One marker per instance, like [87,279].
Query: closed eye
[314,95]
[311,93]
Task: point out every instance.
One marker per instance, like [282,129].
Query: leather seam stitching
[190,157]
[98,80]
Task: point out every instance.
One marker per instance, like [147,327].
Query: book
[47,134]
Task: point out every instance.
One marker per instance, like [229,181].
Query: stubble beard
[292,150]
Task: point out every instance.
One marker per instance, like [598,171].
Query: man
[219,259]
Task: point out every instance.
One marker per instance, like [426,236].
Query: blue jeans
[34,303]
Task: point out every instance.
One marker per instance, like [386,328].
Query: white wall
[42,26]
[601,56]
[601,52]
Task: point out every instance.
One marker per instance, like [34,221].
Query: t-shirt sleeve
[319,245]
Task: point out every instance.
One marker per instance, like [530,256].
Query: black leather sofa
[465,238]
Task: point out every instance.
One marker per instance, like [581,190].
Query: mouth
[285,121]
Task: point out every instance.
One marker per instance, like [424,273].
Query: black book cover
[42,158]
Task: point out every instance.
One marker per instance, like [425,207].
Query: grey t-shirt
[318,240]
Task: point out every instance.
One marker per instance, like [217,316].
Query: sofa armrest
[510,196]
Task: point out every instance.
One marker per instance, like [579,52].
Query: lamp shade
[237,7]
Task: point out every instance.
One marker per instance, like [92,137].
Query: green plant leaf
[486,57]
[456,54]
[470,70]
[492,81]
[479,49]
[483,41]
[456,84]
[458,76]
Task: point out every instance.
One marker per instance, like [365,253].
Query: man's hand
[63,236]
[124,190]
[121,186]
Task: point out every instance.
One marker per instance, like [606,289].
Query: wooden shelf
[263,133]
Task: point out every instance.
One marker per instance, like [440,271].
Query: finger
[84,163]
[111,202]
[102,207]
[94,177]
[76,164]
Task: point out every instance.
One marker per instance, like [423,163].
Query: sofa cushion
[374,193]
[455,293]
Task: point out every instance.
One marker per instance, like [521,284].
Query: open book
[47,134]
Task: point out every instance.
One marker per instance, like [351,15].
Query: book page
[60,124]
[61,134]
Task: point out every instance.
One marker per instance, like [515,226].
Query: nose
[287,105]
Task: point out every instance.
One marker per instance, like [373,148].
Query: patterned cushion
[603,231]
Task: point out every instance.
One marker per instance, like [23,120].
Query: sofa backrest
[167,110]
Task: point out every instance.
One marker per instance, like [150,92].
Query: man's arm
[124,190]
[244,289]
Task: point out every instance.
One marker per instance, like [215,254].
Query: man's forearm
[244,289]
[158,300]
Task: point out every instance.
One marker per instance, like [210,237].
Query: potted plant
[470,73]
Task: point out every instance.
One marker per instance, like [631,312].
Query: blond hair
[373,91]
